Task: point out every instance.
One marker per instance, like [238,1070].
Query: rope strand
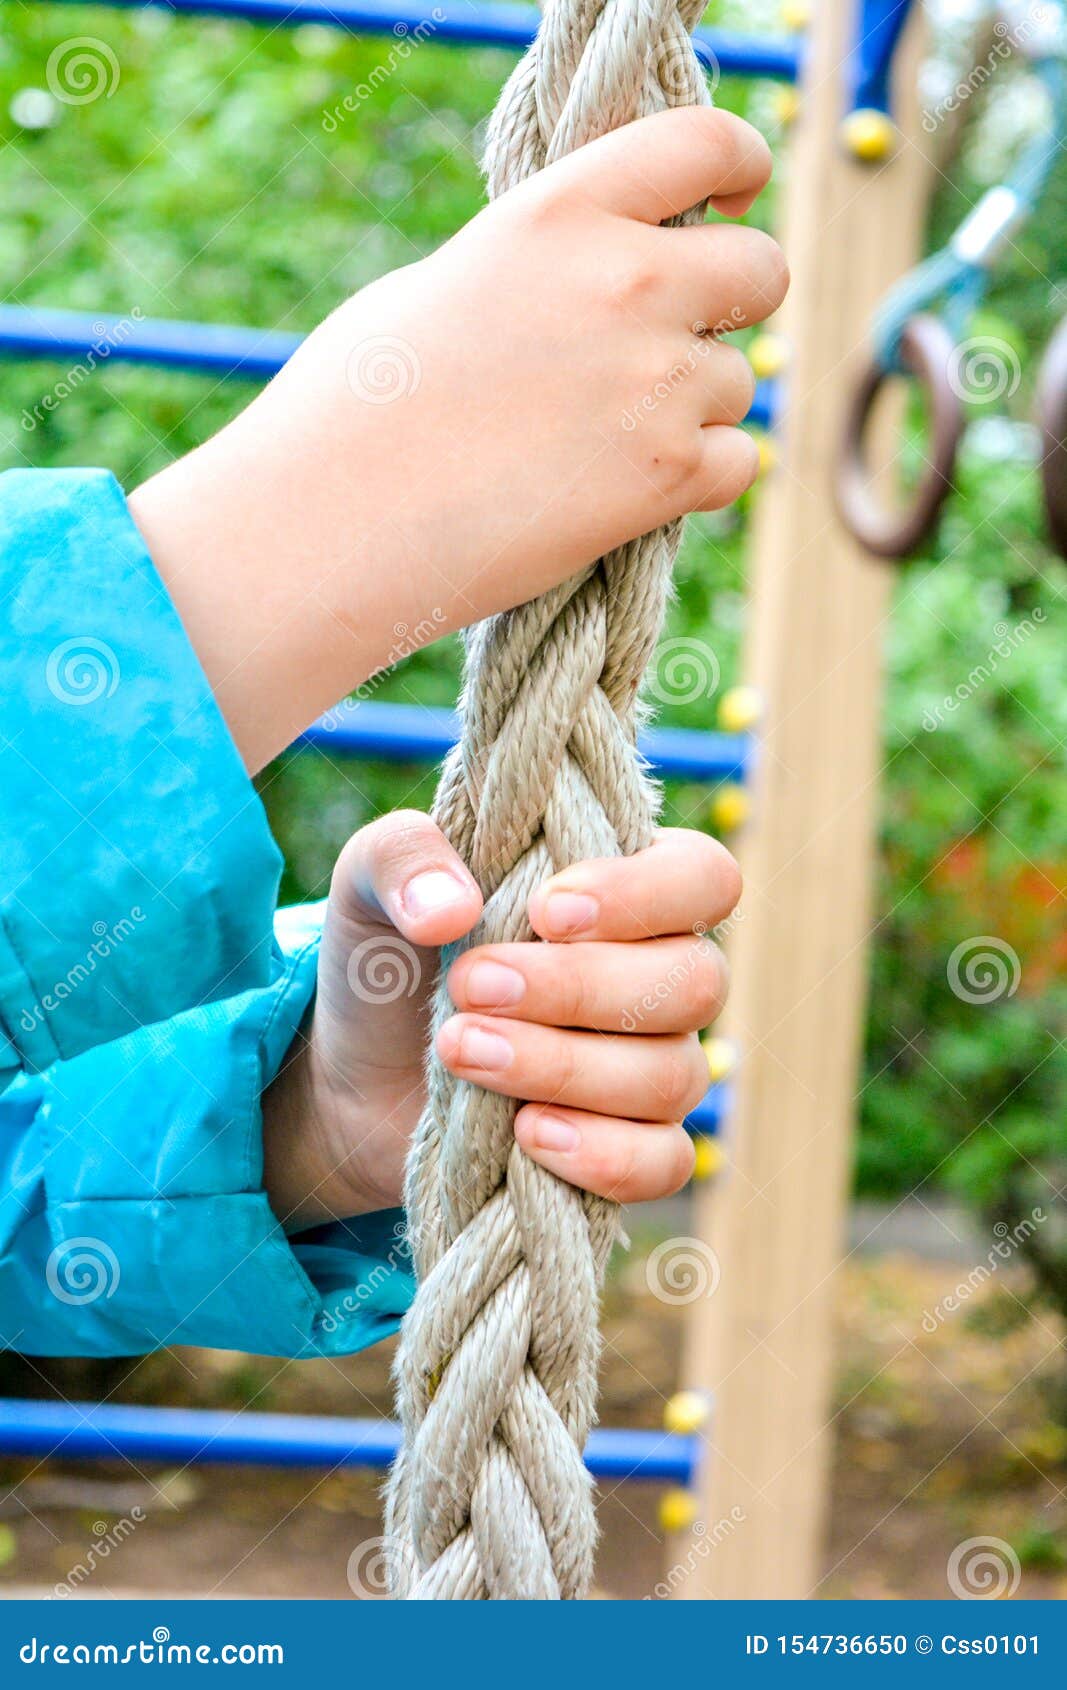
[496,1374]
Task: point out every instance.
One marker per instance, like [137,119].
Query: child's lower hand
[469,431]
[596,1030]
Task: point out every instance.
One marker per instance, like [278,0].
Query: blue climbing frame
[878,28]
[467,23]
[84,1431]
[408,733]
[34,331]
[398,733]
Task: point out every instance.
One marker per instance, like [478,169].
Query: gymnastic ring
[925,352]
[1052,421]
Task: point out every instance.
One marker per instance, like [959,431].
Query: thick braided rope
[496,1375]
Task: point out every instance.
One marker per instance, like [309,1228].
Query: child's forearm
[268,554]
[468,432]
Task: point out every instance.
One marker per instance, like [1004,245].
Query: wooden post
[761,1345]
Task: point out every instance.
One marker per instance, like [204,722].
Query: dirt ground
[942,1435]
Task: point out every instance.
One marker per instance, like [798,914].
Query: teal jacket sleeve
[138,876]
[132,1213]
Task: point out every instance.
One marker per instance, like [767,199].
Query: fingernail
[569,912]
[491,985]
[551,1133]
[479,1049]
[432,892]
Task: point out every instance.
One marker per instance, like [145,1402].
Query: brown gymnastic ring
[1052,421]
[925,352]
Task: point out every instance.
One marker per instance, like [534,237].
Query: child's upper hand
[559,379]
[469,431]
[596,1030]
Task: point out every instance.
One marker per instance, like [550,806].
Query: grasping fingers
[595,1032]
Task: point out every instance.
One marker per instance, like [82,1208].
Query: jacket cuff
[141,1219]
[140,876]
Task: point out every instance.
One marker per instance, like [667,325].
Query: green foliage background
[206,186]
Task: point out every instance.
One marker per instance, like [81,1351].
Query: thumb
[401,872]
[661,165]
[398,892]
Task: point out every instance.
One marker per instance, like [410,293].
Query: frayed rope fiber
[496,1374]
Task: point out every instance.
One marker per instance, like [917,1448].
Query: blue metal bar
[417,733]
[705,1121]
[763,410]
[472,23]
[38,331]
[73,1431]
[878,28]
[29,331]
